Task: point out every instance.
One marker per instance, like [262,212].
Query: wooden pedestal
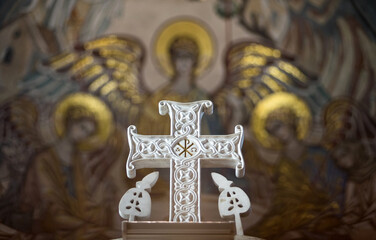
[178,230]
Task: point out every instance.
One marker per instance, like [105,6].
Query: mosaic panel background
[299,75]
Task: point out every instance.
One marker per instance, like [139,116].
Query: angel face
[184,65]
[282,131]
[344,155]
[81,129]
[184,55]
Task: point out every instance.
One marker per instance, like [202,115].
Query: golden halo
[186,28]
[97,109]
[272,103]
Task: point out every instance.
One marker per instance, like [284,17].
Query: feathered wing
[254,71]
[332,38]
[108,67]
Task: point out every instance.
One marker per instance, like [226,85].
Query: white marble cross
[185,152]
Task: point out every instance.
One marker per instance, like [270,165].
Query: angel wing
[254,71]
[108,67]
[334,39]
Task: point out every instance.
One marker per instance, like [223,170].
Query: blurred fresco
[299,75]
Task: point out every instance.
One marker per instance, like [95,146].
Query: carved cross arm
[153,151]
[223,151]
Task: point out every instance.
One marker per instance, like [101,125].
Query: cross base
[178,230]
[208,230]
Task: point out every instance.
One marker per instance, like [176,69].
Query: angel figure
[183,50]
[16,148]
[64,185]
[309,187]
[89,93]
[350,135]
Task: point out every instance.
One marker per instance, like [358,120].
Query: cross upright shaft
[185,151]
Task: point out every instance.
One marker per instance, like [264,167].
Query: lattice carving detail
[183,151]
